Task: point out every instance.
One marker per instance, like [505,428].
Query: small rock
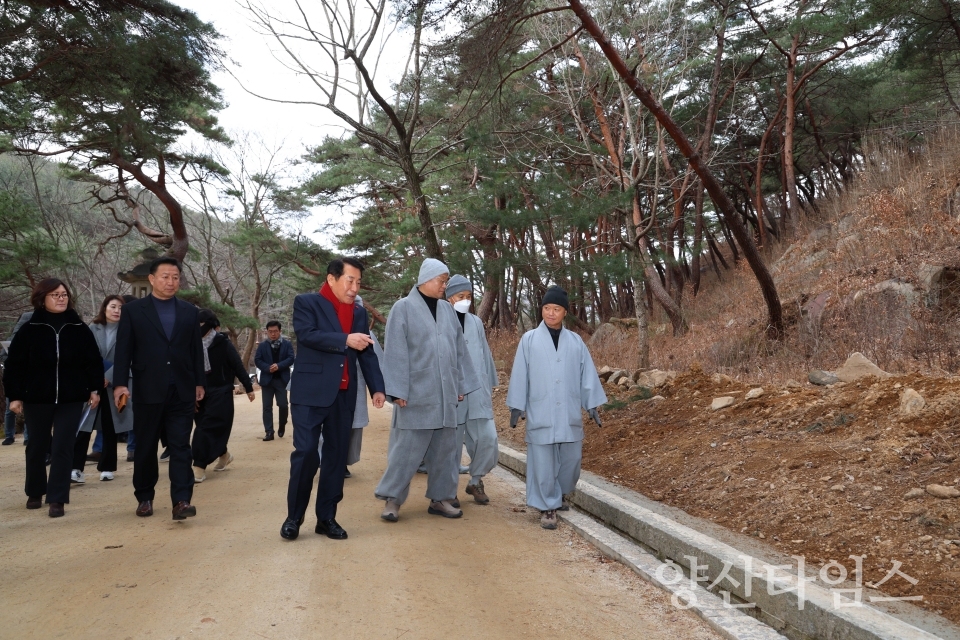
[753,394]
[940,491]
[858,366]
[913,494]
[911,402]
[655,378]
[822,378]
[793,384]
[722,402]
[924,538]
[657,398]
[721,378]
[838,488]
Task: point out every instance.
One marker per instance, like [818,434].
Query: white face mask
[462,306]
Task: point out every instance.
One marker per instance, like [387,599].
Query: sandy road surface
[101,572]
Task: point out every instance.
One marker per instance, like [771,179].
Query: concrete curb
[771,591]
[729,623]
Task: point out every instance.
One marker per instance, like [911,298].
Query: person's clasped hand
[359,341]
[516,415]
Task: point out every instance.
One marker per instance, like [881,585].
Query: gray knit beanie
[457,284]
[430,269]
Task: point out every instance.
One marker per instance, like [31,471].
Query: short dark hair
[274,323]
[164,260]
[102,315]
[128,298]
[46,286]
[335,268]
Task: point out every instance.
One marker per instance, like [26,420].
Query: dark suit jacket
[144,350]
[321,350]
[264,358]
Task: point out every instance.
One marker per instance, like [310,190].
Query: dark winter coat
[48,366]
[225,365]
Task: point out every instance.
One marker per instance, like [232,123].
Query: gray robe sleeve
[591,389]
[396,361]
[517,391]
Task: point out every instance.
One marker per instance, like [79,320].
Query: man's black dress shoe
[268,437]
[347,474]
[290,529]
[183,510]
[282,430]
[331,529]
[145,508]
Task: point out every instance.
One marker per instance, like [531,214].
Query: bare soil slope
[815,471]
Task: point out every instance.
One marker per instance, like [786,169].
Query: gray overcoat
[122,422]
[553,384]
[426,363]
[478,404]
[360,416]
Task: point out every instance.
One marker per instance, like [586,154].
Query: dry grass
[897,215]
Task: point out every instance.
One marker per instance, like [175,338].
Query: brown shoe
[34,503]
[476,490]
[145,508]
[183,510]
[56,510]
[391,511]
[129,456]
[548,519]
[444,508]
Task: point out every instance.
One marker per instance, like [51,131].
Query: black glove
[596,416]
[515,416]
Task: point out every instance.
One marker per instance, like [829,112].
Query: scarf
[345,316]
[207,341]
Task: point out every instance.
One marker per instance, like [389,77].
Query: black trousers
[174,417]
[335,423]
[214,420]
[108,457]
[53,428]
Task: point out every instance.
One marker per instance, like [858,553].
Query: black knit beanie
[556,295]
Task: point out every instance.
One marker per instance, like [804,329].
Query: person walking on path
[107,419]
[427,371]
[333,337]
[158,342]
[214,417]
[475,425]
[54,368]
[361,417]
[274,358]
[553,378]
[10,419]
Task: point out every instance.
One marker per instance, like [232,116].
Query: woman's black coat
[47,366]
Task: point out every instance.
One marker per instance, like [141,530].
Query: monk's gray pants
[480,436]
[407,448]
[552,472]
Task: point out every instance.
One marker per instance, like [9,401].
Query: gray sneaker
[444,508]
[391,511]
[548,519]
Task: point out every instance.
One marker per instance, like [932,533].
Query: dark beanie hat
[556,295]
[208,320]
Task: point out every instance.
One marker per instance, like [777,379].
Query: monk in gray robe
[475,425]
[427,371]
[553,378]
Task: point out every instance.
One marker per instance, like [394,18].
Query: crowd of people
[158,369]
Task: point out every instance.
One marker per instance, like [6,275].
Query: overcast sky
[251,61]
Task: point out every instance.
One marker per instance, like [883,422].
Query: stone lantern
[137,276]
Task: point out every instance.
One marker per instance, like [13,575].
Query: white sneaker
[106,475]
[199,475]
[223,461]
[77,477]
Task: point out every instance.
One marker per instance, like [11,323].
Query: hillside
[822,470]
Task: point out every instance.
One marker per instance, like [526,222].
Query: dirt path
[100,572]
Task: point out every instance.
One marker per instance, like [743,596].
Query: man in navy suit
[274,358]
[333,336]
[158,340]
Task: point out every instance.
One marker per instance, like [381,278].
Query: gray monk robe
[475,426]
[552,384]
[425,363]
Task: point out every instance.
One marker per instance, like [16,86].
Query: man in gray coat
[426,371]
[475,425]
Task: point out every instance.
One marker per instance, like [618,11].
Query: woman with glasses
[54,370]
